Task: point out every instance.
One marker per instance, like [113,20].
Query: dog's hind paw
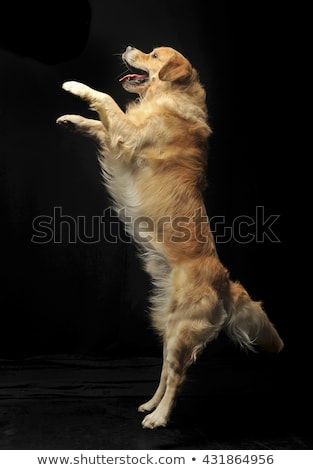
[149,406]
[154,420]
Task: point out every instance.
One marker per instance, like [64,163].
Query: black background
[91,298]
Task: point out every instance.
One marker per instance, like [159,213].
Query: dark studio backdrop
[85,295]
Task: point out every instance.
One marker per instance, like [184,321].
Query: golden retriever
[153,157]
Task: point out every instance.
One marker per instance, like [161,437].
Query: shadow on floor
[65,402]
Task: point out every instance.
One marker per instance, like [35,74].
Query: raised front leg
[127,137]
[92,128]
[109,112]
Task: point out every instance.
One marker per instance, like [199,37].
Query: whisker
[123,47]
[121,74]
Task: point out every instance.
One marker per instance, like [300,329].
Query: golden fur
[153,158]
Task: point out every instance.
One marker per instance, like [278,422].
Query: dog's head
[152,71]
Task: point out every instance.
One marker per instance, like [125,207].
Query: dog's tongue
[133,76]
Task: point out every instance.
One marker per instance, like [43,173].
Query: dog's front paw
[69,121]
[77,88]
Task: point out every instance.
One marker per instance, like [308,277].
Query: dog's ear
[176,68]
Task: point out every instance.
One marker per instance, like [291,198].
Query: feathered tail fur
[248,324]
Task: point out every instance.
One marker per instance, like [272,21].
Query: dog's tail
[248,324]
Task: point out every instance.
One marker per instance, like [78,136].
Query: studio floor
[70,402]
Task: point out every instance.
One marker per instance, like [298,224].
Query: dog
[153,160]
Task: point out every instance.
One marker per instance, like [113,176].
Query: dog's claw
[152,421]
[66,123]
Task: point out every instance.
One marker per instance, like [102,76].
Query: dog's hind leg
[157,266]
[157,397]
[186,337]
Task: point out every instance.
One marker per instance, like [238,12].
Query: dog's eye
[154,55]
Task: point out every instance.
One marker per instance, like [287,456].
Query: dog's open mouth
[136,77]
